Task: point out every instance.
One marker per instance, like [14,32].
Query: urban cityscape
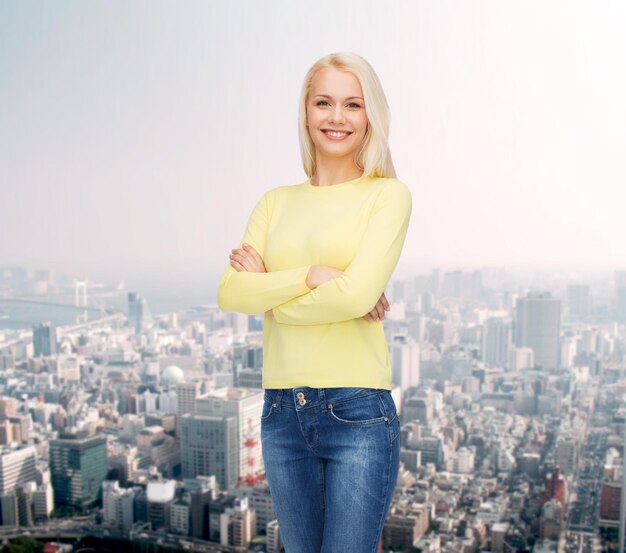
[127,429]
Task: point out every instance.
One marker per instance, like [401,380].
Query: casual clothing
[331,458]
[318,338]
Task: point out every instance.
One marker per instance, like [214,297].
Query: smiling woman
[316,257]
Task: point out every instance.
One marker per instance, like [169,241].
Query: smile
[336,135]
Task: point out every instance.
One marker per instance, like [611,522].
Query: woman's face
[336,116]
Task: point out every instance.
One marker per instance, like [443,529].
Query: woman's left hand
[248,259]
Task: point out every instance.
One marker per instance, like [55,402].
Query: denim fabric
[331,459]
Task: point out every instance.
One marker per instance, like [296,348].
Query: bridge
[62,305]
[62,531]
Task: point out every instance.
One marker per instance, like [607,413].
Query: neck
[328,173]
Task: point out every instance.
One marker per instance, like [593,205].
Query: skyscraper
[17,467]
[78,465]
[620,296]
[209,447]
[135,311]
[44,339]
[186,395]
[405,362]
[496,343]
[578,302]
[538,326]
[245,405]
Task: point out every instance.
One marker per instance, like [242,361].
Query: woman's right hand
[378,312]
[318,274]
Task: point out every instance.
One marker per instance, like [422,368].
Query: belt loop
[322,399]
[279,399]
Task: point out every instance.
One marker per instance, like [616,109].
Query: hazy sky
[135,137]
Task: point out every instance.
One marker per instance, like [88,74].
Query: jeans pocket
[269,405]
[394,419]
[394,428]
[360,411]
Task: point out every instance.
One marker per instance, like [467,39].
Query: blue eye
[321,102]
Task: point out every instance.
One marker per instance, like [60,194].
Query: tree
[23,545]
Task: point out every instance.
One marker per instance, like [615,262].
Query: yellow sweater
[318,338]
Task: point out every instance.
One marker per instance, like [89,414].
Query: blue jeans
[331,459]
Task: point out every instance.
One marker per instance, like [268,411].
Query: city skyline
[130,427]
[125,128]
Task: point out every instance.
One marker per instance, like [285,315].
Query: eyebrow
[330,97]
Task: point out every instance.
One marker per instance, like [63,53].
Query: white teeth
[336,134]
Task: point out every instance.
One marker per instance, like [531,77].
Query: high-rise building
[246,405]
[238,524]
[138,312]
[209,446]
[160,495]
[78,465]
[259,499]
[43,500]
[578,302]
[44,339]
[405,362]
[66,367]
[406,523]
[186,395]
[566,454]
[9,509]
[199,501]
[611,497]
[551,520]
[179,516]
[274,539]
[17,467]
[538,326]
[463,461]
[620,296]
[25,503]
[496,343]
[154,444]
[568,351]
[418,408]
[8,407]
[522,358]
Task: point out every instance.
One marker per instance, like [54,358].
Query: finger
[237,266]
[250,250]
[256,257]
[251,259]
[374,314]
[380,311]
[385,302]
[243,259]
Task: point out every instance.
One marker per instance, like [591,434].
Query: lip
[346,134]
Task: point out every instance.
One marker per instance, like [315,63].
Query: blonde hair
[373,156]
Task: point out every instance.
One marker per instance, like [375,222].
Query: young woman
[316,258]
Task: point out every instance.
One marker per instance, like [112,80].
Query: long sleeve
[252,293]
[357,290]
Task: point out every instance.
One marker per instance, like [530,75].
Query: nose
[337,116]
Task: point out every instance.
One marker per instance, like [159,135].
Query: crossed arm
[248,259]
[319,294]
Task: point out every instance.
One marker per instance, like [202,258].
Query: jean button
[300,395]
[302,401]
